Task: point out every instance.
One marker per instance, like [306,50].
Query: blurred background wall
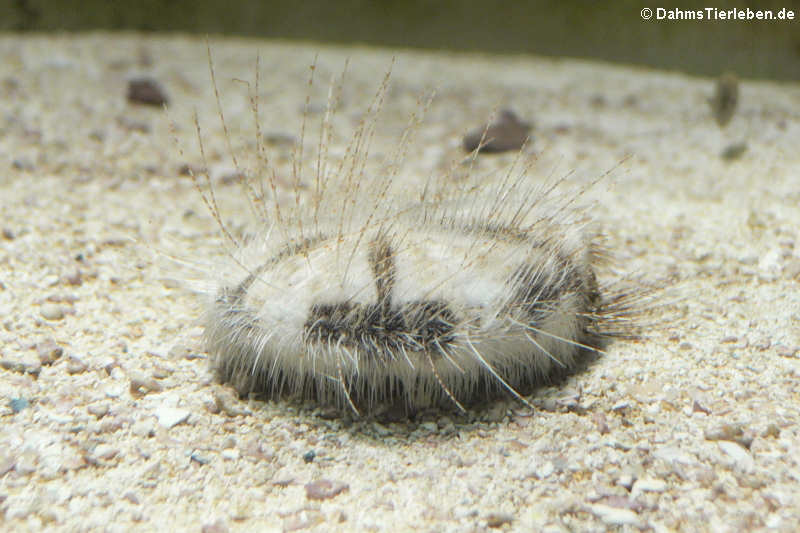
[606,30]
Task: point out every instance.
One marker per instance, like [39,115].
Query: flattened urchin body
[425,307]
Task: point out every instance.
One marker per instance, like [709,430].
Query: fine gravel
[112,421]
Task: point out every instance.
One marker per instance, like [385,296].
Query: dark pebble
[726,97]
[146,91]
[20,368]
[734,151]
[279,139]
[23,165]
[309,456]
[506,133]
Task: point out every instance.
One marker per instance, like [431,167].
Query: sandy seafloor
[110,419]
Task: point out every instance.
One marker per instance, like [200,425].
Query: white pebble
[51,311]
[648,485]
[171,416]
[545,470]
[615,515]
[231,454]
[742,458]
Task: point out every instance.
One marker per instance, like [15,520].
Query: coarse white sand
[110,419]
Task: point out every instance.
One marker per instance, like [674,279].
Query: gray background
[611,31]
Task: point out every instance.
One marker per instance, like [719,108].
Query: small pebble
[189,170]
[648,485]
[279,139]
[74,278]
[729,432]
[230,454]
[620,406]
[146,91]
[24,164]
[48,351]
[105,452]
[51,311]
[626,480]
[98,410]
[143,428]
[309,456]
[18,404]
[498,519]
[324,489]
[614,515]
[131,497]
[21,368]
[142,384]
[506,133]
[734,151]
[740,455]
[200,459]
[726,97]
[169,417]
[697,407]
[76,366]
[161,372]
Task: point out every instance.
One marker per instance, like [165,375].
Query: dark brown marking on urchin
[429,323]
[382,332]
[382,329]
[381,261]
